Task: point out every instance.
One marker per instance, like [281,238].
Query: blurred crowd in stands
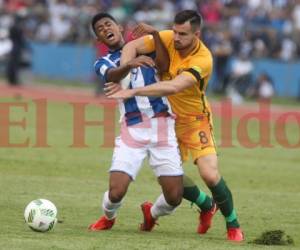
[262,28]
[240,28]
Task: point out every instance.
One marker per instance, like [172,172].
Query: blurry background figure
[5,47]
[288,50]
[19,56]
[240,77]
[263,88]
[269,30]
[222,51]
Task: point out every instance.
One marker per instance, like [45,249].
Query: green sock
[223,198]
[192,193]
[231,220]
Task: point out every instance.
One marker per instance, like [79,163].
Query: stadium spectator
[288,49]
[211,11]
[263,89]
[222,50]
[240,77]
[265,21]
[269,28]
[5,44]
[16,58]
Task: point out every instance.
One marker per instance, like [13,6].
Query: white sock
[161,207]
[110,208]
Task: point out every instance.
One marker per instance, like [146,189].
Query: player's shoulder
[101,60]
[202,50]
[111,58]
[167,32]
[202,53]
[166,35]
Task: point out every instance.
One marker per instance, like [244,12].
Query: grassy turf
[264,182]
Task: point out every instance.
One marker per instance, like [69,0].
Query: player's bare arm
[162,88]
[162,60]
[132,49]
[117,74]
[120,72]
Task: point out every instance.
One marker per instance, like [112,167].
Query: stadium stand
[268,29]
[265,28]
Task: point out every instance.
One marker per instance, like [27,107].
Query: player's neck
[117,46]
[185,52]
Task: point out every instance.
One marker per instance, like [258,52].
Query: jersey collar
[196,49]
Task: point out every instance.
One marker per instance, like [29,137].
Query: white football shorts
[153,138]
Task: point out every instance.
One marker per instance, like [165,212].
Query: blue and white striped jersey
[134,108]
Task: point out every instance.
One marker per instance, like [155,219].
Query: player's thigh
[166,160]
[167,166]
[184,151]
[127,159]
[197,138]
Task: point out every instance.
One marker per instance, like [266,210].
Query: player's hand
[122,94]
[141,61]
[143,29]
[111,88]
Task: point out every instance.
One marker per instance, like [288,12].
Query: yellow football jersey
[198,64]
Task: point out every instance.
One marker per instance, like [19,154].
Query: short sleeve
[199,68]
[101,66]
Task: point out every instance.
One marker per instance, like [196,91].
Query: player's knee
[209,171]
[211,179]
[174,197]
[175,201]
[116,194]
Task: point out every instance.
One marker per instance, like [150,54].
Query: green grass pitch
[265,184]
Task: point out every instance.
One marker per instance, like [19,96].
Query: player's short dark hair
[192,16]
[99,16]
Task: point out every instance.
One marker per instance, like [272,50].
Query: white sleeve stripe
[110,61]
[103,69]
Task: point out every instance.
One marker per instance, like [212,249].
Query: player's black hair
[99,16]
[191,16]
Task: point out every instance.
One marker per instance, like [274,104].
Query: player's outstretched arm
[162,88]
[118,73]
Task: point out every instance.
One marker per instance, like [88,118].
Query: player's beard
[187,46]
[179,46]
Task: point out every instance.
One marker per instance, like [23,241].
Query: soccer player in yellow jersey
[185,84]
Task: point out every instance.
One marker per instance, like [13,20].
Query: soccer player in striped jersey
[142,119]
[185,85]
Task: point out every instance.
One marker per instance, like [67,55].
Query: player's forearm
[117,74]
[164,88]
[157,89]
[129,52]
[162,59]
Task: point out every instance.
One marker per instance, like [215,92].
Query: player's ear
[198,33]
